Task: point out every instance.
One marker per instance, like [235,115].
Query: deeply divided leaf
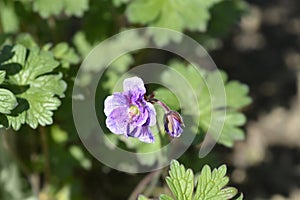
[211,184]
[44,89]
[180,181]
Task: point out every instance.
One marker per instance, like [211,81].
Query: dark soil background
[264,52]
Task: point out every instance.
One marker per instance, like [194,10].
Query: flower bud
[173,123]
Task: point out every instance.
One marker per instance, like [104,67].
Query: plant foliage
[210,184]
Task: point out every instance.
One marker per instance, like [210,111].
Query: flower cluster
[131,113]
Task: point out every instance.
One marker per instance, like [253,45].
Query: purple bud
[173,123]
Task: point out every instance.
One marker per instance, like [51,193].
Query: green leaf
[211,185]
[220,24]
[46,8]
[76,8]
[65,54]
[79,155]
[26,40]
[241,197]
[171,14]
[120,2]
[2,76]
[7,101]
[180,181]
[43,88]
[141,197]
[64,193]
[9,19]
[82,44]
[59,135]
[168,97]
[237,94]
[165,197]
[236,98]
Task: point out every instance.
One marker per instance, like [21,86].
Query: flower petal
[117,121]
[152,114]
[134,85]
[143,133]
[141,119]
[114,101]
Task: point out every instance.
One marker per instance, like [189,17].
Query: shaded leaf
[11,68]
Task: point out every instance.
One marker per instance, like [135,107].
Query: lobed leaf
[170,14]
[211,185]
[236,98]
[44,89]
[180,181]
[47,8]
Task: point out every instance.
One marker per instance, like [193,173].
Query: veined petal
[117,121]
[114,101]
[134,85]
[152,114]
[142,118]
[143,133]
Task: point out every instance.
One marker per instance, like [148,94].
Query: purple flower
[128,112]
[173,123]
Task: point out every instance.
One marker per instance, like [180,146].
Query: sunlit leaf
[211,184]
[43,88]
[180,181]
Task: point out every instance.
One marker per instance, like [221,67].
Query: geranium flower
[128,112]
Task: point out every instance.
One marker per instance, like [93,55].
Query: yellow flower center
[133,111]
